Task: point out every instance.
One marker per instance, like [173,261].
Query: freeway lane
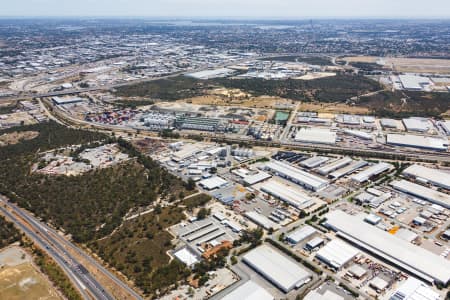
[73,268]
[45,246]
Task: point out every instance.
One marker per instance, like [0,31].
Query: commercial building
[186,256]
[316,136]
[414,82]
[388,123]
[208,74]
[262,220]
[326,295]
[406,256]
[249,291]
[314,161]
[370,172]
[428,175]
[300,234]
[417,141]
[213,183]
[336,165]
[63,101]
[417,124]
[288,194]
[413,289]
[353,167]
[423,192]
[359,134]
[337,254]
[255,178]
[296,175]
[282,272]
[199,123]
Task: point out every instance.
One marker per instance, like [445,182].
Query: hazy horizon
[243,9]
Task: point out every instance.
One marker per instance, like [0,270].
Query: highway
[44,236]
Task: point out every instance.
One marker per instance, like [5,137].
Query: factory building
[314,161]
[199,123]
[158,120]
[282,272]
[428,175]
[417,141]
[414,82]
[255,178]
[388,123]
[359,134]
[413,289]
[300,234]
[353,167]
[417,124]
[336,165]
[262,220]
[422,192]
[370,172]
[63,101]
[213,183]
[296,175]
[316,136]
[288,194]
[406,256]
[336,254]
[249,291]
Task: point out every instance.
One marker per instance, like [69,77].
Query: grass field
[403,64]
[20,279]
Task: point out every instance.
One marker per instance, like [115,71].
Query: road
[56,247]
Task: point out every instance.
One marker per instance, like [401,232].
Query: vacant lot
[19,279]
[402,64]
[403,104]
[16,137]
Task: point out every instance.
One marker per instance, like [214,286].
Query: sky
[230,8]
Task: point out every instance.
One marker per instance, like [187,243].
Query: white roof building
[414,82]
[336,254]
[433,176]
[296,175]
[422,192]
[316,136]
[255,178]
[413,289]
[417,141]
[417,124]
[261,220]
[374,170]
[292,196]
[300,234]
[213,183]
[336,165]
[186,256]
[249,291]
[327,295]
[406,256]
[277,268]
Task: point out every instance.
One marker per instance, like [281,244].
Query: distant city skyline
[230,8]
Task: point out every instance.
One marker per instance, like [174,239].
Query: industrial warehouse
[428,175]
[296,175]
[276,268]
[422,192]
[288,194]
[370,172]
[413,259]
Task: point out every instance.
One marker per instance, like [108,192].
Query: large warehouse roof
[261,220]
[249,291]
[417,141]
[422,192]
[413,289]
[213,183]
[296,175]
[372,171]
[412,258]
[316,136]
[300,234]
[337,253]
[292,196]
[277,268]
[433,176]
